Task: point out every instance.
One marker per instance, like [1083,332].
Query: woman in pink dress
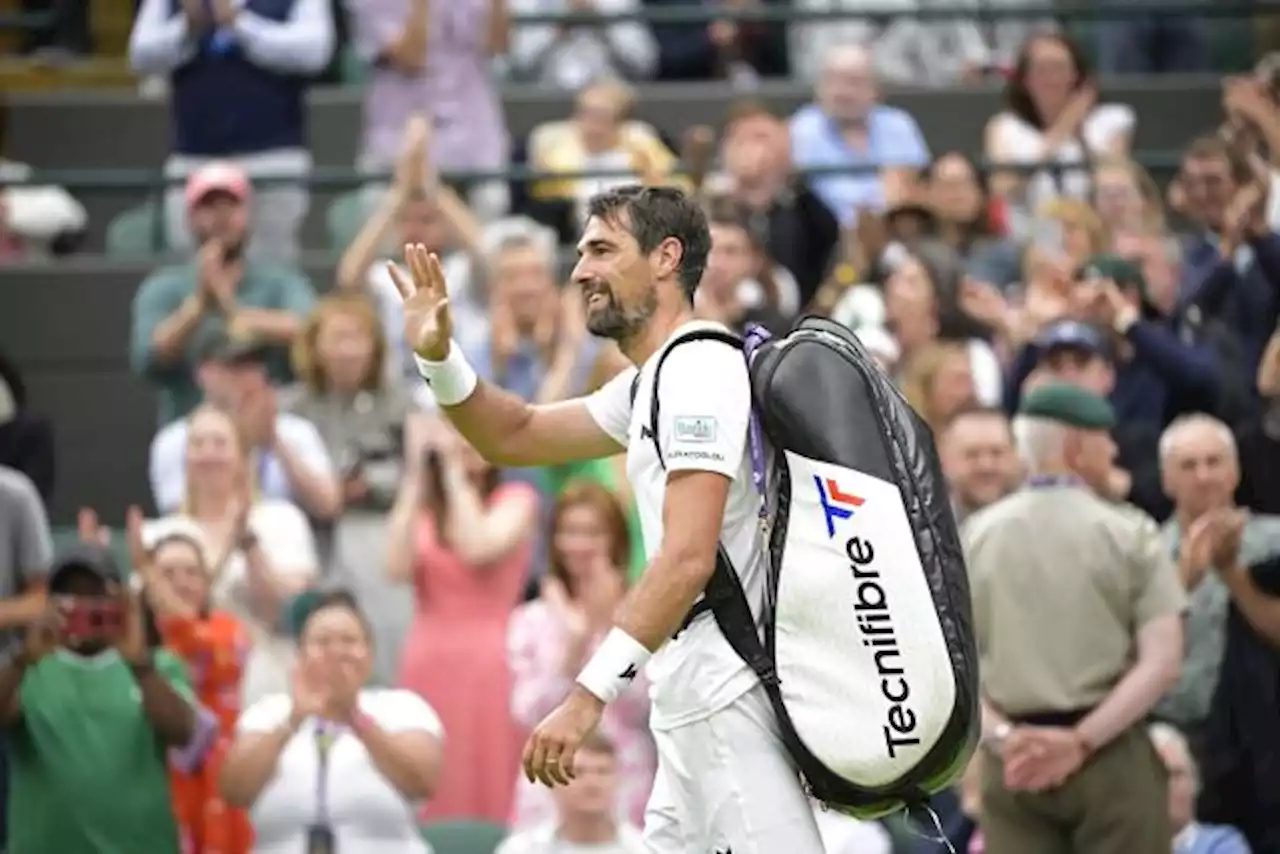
[551,638]
[465,542]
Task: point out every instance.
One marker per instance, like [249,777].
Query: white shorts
[726,783]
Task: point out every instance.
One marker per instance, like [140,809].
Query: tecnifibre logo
[836,503]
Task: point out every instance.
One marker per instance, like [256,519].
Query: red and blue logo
[836,504]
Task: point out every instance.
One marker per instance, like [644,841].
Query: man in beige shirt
[1077,611]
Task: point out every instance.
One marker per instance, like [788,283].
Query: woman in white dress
[1052,118]
[331,765]
[263,550]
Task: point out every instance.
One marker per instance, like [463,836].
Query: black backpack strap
[697,335]
[723,596]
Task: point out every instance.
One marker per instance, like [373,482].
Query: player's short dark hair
[653,214]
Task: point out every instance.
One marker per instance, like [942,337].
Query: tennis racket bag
[867,653]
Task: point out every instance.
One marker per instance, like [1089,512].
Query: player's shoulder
[702,353]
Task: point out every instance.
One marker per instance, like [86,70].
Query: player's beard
[612,320]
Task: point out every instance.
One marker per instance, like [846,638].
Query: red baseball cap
[219,176]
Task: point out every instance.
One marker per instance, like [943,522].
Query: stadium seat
[132,233]
[463,837]
[344,218]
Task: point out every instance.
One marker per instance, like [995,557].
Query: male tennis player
[725,782]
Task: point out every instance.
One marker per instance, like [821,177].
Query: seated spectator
[238,77]
[89,705]
[551,638]
[263,549]
[978,459]
[1190,836]
[26,437]
[847,126]
[417,209]
[570,57]
[172,560]
[464,542]
[1158,375]
[538,346]
[1233,253]
[586,810]
[741,285]
[920,306]
[967,221]
[332,765]
[787,218]
[440,69]
[938,382]
[1052,118]
[721,49]
[1126,199]
[362,417]
[1067,233]
[599,136]
[219,287]
[297,467]
[36,221]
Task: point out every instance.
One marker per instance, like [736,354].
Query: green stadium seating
[132,233]
[463,837]
[344,218]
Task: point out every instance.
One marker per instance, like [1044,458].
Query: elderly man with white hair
[1200,471]
[1189,835]
[1077,613]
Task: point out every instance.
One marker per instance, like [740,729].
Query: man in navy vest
[238,71]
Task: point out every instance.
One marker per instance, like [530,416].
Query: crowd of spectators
[335,587]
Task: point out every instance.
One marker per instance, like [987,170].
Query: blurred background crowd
[197,321]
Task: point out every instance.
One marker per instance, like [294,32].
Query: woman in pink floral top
[550,638]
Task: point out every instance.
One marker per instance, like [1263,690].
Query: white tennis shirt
[705,402]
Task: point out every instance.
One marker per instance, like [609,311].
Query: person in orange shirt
[171,559]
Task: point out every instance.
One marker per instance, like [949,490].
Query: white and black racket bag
[866,649]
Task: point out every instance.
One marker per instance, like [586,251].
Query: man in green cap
[1077,610]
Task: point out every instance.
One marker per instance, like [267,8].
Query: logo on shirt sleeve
[695,428]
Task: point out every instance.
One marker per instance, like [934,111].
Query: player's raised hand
[427,326]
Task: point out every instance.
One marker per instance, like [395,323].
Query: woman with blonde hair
[938,382]
[340,360]
[1126,198]
[262,551]
[550,638]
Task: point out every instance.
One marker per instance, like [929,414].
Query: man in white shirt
[725,781]
[297,468]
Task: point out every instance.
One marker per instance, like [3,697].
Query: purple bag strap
[755,336]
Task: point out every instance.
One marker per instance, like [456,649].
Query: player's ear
[667,258]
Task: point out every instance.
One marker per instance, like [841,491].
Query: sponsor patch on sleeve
[695,428]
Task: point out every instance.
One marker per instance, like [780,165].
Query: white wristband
[451,381]
[615,665]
